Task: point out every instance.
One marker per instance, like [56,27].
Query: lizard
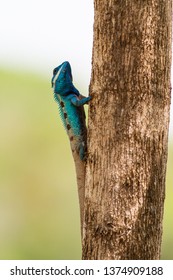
[72,113]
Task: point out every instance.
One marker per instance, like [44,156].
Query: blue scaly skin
[70,103]
[72,113]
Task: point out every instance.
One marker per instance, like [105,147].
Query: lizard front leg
[80,102]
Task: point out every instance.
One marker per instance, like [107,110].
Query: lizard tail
[80,175]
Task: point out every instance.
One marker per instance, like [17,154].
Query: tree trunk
[128,129]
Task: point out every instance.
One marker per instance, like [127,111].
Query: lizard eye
[54,72]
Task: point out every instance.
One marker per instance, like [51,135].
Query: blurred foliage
[39,216]
[167,242]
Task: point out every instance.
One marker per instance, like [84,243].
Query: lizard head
[62,80]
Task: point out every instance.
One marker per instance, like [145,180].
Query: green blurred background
[39,215]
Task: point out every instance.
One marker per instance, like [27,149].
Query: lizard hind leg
[82,151]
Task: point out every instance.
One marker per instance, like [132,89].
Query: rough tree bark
[128,129]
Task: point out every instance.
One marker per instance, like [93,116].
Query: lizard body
[72,113]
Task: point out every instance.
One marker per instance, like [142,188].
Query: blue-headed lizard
[72,113]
